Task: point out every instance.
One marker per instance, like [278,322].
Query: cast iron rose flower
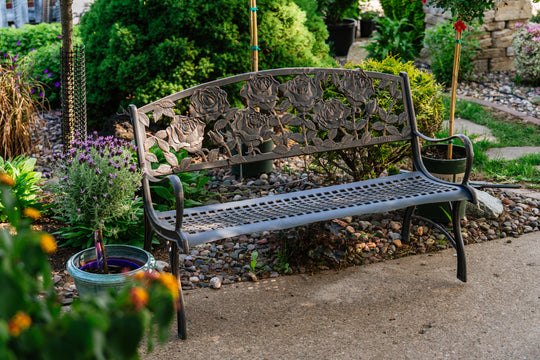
[261,91]
[208,104]
[251,127]
[357,87]
[330,114]
[303,92]
[187,133]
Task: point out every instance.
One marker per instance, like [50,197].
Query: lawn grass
[508,133]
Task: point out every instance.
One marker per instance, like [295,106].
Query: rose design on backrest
[357,87]
[330,114]
[208,104]
[303,92]
[251,128]
[186,133]
[261,92]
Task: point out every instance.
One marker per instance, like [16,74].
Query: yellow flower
[6,179]
[18,323]
[32,213]
[170,283]
[48,244]
[138,297]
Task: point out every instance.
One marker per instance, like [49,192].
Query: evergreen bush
[139,52]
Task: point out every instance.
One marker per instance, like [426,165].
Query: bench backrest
[302,110]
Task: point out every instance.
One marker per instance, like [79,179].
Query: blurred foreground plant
[32,323]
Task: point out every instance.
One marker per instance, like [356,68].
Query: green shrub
[40,44]
[139,52]
[392,38]
[410,10]
[46,64]
[426,93]
[535,18]
[26,188]
[440,41]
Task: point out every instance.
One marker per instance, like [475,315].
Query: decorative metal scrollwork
[312,112]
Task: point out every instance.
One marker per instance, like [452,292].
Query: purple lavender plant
[97,184]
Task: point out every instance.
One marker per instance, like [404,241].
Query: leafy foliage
[32,323]
[146,50]
[26,188]
[440,41]
[96,189]
[466,10]
[393,38]
[427,98]
[21,98]
[336,10]
[410,10]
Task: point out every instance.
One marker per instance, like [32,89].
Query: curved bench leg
[181,311]
[460,247]
[148,233]
[406,226]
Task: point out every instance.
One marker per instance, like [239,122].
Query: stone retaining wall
[497,52]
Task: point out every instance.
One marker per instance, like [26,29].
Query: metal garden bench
[293,108]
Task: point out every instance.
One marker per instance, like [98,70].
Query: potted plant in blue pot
[97,182]
[340,17]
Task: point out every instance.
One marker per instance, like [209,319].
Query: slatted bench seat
[303,111]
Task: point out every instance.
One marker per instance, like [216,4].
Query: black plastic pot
[367,27]
[256,168]
[449,170]
[341,36]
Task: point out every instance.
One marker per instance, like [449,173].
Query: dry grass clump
[21,100]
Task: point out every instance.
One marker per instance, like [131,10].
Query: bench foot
[181,311]
[459,246]
[406,226]
[456,240]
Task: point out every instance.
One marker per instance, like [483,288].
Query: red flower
[459,26]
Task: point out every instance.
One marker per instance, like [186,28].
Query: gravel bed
[499,87]
[332,244]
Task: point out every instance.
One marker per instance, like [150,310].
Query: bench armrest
[178,195]
[468,150]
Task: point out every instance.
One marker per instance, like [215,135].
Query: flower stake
[459,26]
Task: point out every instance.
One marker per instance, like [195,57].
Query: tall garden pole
[459,26]
[254,45]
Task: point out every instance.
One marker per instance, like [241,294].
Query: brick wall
[497,52]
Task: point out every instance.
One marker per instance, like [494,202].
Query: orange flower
[138,297]
[460,26]
[6,179]
[48,244]
[18,323]
[170,283]
[32,213]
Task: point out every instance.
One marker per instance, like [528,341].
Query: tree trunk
[68,74]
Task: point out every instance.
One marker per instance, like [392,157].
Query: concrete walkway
[411,308]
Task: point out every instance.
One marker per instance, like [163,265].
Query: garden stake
[455,74]
[253,32]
